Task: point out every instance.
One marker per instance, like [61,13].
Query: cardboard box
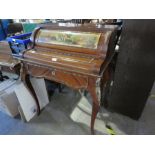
[8,100]
[28,108]
[39,87]
[16,99]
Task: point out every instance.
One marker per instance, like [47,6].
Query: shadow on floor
[55,119]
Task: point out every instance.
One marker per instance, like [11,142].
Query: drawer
[70,79]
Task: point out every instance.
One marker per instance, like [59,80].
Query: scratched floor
[55,119]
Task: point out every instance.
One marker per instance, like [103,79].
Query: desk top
[82,48]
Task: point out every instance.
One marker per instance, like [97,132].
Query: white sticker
[54,59]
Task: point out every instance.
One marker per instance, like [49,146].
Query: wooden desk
[72,54]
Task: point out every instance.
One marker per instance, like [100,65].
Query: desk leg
[27,82]
[95,108]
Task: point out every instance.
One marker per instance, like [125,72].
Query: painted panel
[70,38]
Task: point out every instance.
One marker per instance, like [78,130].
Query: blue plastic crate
[19,43]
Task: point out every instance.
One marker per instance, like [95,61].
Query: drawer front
[73,80]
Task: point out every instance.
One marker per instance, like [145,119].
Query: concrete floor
[61,117]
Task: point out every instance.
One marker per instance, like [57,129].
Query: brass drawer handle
[53,72]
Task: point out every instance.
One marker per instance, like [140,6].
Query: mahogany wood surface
[7,62]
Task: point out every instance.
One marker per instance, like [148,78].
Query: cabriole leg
[95,107]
